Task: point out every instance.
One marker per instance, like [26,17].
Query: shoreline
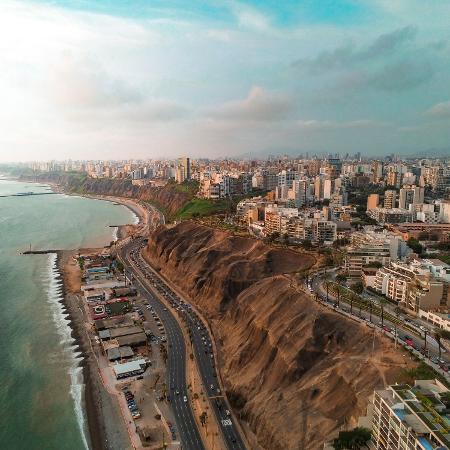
[102,421]
[95,432]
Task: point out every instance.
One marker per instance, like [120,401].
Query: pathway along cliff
[294,371]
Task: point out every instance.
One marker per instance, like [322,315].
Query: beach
[107,428]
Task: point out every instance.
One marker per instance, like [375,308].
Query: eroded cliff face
[294,371]
[166,198]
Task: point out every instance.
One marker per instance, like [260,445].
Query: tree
[341,278]
[307,244]
[203,417]
[415,245]
[438,336]
[352,440]
[357,287]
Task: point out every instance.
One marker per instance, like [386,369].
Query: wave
[60,318]
[115,235]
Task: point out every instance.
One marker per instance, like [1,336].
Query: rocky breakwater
[294,371]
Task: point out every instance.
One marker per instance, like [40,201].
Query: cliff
[169,199]
[294,371]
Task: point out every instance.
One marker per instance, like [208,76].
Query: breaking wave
[70,349]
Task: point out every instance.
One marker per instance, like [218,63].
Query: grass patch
[425,372]
[199,207]
[445,257]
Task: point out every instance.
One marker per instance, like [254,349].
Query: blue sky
[117,78]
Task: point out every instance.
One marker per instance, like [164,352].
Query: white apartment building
[373,246]
[412,286]
[410,418]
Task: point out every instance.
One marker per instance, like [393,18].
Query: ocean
[41,386]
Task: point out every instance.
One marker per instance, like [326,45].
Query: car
[434,360]
[177,392]
[184,399]
[212,387]
[444,367]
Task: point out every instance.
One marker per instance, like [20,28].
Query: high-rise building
[372,201]
[185,163]
[410,195]
[390,197]
[377,171]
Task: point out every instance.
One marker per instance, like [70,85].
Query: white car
[185,399]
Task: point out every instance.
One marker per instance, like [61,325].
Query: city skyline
[127,80]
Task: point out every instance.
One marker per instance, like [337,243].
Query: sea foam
[60,318]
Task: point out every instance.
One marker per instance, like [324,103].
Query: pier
[28,194]
[39,252]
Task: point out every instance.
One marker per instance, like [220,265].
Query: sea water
[41,382]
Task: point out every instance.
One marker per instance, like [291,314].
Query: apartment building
[410,418]
[412,286]
[393,215]
[390,198]
[372,201]
[373,246]
[410,195]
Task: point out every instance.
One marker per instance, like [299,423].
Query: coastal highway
[201,341]
[176,362]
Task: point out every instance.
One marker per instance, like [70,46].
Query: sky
[119,79]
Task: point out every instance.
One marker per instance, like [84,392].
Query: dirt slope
[294,371]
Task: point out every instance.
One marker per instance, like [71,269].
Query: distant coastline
[95,399]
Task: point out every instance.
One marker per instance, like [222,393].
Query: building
[412,286]
[390,198]
[372,201]
[129,369]
[439,231]
[410,418]
[371,247]
[185,165]
[390,215]
[410,195]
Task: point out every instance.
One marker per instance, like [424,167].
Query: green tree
[352,440]
[357,287]
[341,278]
[307,244]
[415,245]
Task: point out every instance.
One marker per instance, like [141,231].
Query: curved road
[202,344]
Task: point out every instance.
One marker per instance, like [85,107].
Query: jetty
[28,194]
[39,252]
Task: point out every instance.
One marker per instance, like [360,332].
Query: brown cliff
[169,199]
[294,371]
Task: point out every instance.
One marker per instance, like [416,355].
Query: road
[201,342]
[390,328]
[176,362]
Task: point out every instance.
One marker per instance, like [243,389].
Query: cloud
[440,110]
[333,125]
[349,54]
[258,106]
[249,18]
[80,83]
[401,75]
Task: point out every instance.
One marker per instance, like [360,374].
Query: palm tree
[438,336]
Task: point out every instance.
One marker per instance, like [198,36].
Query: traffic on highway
[407,333]
[203,349]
